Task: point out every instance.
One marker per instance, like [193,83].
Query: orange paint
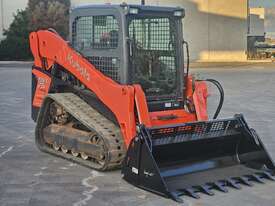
[200,100]
[42,87]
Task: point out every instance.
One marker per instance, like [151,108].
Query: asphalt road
[29,177]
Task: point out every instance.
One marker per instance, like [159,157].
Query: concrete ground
[30,177]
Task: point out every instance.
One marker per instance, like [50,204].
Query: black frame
[179,50]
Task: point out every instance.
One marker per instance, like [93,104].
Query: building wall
[9,9]
[257,22]
[261,3]
[220,29]
[269,22]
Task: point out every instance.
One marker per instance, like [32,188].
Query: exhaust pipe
[196,158]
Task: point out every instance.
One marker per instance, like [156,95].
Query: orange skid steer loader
[120,95]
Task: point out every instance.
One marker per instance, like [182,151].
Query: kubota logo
[82,70]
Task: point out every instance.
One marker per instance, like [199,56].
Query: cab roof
[145,8]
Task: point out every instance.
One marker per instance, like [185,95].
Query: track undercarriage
[68,127]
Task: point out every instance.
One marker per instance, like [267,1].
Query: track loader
[119,95]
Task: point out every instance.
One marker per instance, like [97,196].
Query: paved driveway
[29,177]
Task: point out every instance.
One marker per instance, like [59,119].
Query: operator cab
[135,44]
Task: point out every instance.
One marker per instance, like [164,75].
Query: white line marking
[20,137]
[6,151]
[92,188]
[72,164]
[38,174]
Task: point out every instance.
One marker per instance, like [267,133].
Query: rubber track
[114,148]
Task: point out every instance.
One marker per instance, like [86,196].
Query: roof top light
[133,11]
[178,13]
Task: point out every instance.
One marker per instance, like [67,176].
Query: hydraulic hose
[221,91]
[187,57]
[213,81]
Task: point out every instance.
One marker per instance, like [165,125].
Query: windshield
[153,55]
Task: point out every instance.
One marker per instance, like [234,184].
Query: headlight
[133,11]
[178,13]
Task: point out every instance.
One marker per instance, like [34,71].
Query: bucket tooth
[205,189]
[191,192]
[176,197]
[233,183]
[256,178]
[245,181]
[267,175]
[218,185]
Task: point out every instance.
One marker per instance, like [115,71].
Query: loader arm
[49,48]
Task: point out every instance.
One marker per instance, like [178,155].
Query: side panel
[200,100]
[40,87]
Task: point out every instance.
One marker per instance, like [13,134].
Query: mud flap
[196,158]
